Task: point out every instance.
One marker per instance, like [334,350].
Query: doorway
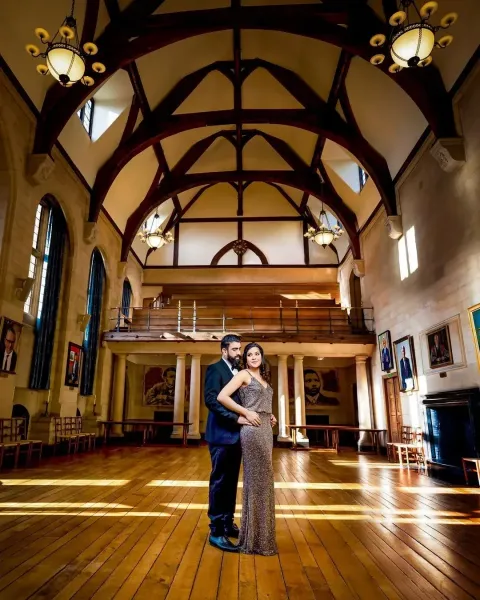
[394,407]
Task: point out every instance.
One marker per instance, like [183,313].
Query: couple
[240,423]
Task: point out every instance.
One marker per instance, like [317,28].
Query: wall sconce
[83,321]
[23,287]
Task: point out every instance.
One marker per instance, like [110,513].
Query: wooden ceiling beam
[135,35]
[327,123]
[338,81]
[171,186]
[90,21]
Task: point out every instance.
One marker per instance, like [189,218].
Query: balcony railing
[199,319]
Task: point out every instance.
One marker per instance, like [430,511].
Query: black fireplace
[453,430]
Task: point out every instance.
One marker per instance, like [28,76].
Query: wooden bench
[14,443]
[69,430]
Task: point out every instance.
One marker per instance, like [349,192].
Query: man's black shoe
[222,543]
[232,531]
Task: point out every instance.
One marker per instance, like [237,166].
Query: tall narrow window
[126,298]
[46,266]
[85,115]
[407,254]
[362,177]
[91,340]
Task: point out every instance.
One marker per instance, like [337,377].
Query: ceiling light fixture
[65,60]
[324,234]
[152,233]
[412,36]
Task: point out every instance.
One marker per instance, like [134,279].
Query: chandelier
[324,234]
[152,234]
[412,36]
[65,60]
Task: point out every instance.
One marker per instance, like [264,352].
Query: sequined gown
[257,528]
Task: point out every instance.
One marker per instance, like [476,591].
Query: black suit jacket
[13,361]
[222,425]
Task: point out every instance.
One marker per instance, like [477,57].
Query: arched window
[46,266]
[91,340]
[126,298]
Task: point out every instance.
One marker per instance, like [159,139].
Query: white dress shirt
[234,371]
[7,361]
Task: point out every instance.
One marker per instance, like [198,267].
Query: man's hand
[242,421]
[273,421]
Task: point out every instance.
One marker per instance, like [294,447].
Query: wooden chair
[412,452]
[68,430]
[405,437]
[13,438]
[86,439]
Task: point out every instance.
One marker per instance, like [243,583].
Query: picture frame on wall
[11,332]
[74,365]
[474,316]
[440,352]
[406,364]
[385,351]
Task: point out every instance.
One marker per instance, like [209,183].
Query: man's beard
[235,362]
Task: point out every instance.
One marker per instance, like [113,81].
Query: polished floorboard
[131,523]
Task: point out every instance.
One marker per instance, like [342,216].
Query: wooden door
[394,408]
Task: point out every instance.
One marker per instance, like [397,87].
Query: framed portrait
[159,386]
[74,365]
[439,348]
[11,332]
[318,384]
[406,365]
[385,351]
[474,314]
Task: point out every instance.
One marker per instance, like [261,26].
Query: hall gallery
[302,175]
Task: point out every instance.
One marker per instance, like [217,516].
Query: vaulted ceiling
[240,99]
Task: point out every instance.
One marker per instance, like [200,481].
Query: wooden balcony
[293,322]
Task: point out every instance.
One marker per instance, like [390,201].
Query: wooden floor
[131,523]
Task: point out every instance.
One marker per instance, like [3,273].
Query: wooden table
[332,435]
[476,462]
[148,427]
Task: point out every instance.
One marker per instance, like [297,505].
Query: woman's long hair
[264,372]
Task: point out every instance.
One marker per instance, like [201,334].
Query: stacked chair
[13,442]
[68,432]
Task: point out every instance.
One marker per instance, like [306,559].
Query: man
[312,385]
[386,358]
[73,376]
[163,393]
[7,352]
[439,353]
[223,437]
[405,370]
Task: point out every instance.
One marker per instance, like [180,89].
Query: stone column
[194,408]
[300,413]
[179,402]
[118,398]
[283,400]
[363,400]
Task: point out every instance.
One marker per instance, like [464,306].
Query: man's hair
[10,329]
[169,370]
[308,371]
[229,339]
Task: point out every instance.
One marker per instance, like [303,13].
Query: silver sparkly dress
[257,528]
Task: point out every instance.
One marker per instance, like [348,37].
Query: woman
[257,529]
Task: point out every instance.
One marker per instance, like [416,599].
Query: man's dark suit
[13,361]
[223,437]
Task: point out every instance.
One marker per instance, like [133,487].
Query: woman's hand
[243,421]
[253,418]
[273,421]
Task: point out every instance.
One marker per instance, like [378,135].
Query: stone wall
[18,202]
[444,208]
